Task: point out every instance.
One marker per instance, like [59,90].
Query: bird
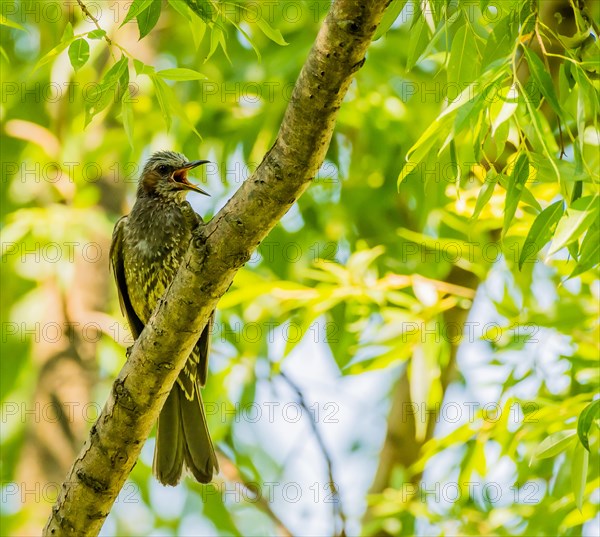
[147,248]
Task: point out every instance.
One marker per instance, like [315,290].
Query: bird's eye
[163,169]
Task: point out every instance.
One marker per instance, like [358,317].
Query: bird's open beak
[180,176]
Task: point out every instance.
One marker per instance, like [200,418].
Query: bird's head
[165,174]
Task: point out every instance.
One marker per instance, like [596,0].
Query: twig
[232,473]
[547,64]
[338,510]
[87,13]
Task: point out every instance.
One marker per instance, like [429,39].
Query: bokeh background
[383,337]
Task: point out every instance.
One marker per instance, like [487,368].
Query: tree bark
[218,250]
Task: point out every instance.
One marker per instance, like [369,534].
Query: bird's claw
[128,351]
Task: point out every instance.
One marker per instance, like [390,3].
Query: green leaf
[543,80]
[545,171]
[162,94]
[589,257]
[554,444]
[471,99]
[215,37]
[11,24]
[472,262]
[590,55]
[464,58]
[68,34]
[419,41]
[359,262]
[49,56]
[272,33]
[588,89]
[107,90]
[564,81]
[541,231]
[127,117]
[578,186]
[169,104]
[390,15]
[478,90]
[578,147]
[486,192]
[79,53]
[573,249]
[504,107]
[96,34]
[136,7]
[574,41]
[249,39]
[500,137]
[516,183]
[526,196]
[467,116]
[147,19]
[203,8]
[142,69]
[122,85]
[181,73]
[440,33]
[223,43]
[113,75]
[579,472]
[454,166]
[182,8]
[423,145]
[588,416]
[578,218]
[500,43]
[197,30]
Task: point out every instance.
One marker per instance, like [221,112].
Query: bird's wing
[116,261]
[195,370]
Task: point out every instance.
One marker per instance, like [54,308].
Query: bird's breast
[152,254]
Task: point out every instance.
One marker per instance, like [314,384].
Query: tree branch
[218,250]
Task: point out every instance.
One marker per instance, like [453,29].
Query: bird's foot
[128,351]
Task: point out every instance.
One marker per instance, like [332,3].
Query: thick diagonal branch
[219,250]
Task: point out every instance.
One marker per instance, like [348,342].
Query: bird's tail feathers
[183,438]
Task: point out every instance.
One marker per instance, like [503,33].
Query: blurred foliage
[468,141]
